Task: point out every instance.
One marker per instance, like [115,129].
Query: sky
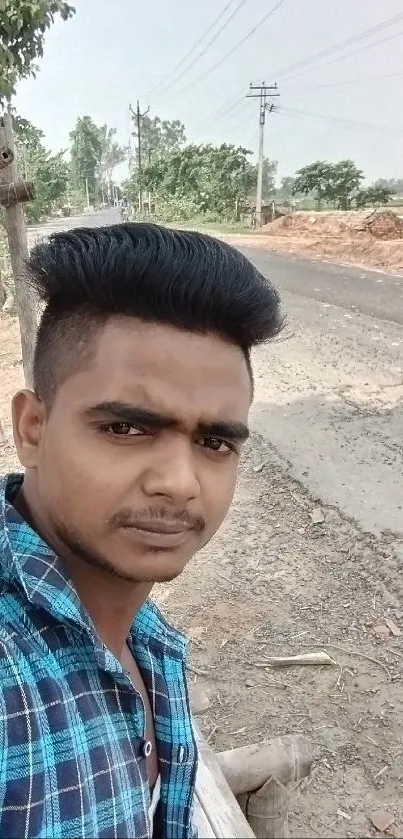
[183,63]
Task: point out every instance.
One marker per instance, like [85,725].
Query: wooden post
[263,777]
[17,242]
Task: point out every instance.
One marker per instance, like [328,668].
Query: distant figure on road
[129,442]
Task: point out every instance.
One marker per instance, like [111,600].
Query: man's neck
[111,602]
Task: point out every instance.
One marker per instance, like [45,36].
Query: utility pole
[137,117]
[261,92]
[87,193]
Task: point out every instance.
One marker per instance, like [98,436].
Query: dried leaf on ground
[305,658]
[393,628]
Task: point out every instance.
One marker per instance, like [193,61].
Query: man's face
[135,464]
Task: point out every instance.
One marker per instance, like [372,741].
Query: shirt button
[147,748]
[181,754]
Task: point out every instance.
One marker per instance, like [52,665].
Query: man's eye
[216,445]
[123,429]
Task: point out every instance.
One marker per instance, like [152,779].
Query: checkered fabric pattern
[72,727]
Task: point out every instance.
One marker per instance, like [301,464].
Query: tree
[202,179]
[48,171]
[160,136]
[23,24]
[313,180]
[334,183]
[286,190]
[373,196]
[86,155]
[394,185]
[269,179]
[112,154]
[345,179]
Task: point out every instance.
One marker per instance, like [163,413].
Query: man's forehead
[130,340]
[164,366]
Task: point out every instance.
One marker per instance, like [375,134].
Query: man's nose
[172,472]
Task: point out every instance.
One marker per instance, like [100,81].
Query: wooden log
[263,777]
[288,759]
[267,809]
[16,193]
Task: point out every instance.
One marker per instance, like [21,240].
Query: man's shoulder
[18,634]
[152,628]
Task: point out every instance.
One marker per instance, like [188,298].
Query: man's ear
[28,413]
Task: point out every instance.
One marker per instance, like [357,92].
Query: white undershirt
[155,797]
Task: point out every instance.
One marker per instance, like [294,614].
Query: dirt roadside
[343,237]
[274,582]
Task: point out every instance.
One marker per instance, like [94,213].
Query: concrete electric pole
[137,117]
[262,92]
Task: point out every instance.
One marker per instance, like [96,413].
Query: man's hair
[183,279]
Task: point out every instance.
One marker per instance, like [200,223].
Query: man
[130,443]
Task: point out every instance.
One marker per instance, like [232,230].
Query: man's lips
[160,534]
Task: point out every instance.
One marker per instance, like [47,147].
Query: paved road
[329,392]
[356,289]
[97,219]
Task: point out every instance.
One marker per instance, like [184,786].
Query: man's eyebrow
[132,414]
[231,430]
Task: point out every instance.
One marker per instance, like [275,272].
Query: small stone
[199,701]
[381,630]
[382,820]
[317,516]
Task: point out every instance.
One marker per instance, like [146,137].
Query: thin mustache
[131,518]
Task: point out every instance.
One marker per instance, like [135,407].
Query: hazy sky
[112,53]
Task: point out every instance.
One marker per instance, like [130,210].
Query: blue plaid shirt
[72,727]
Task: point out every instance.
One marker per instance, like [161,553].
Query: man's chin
[155,567]
[142,565]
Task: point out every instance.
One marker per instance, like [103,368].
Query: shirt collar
[27,560]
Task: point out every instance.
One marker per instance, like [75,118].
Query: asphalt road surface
[329,391]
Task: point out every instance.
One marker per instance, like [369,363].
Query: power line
[235,102]
[204,50]
[349,81]
[235,48]
[197,44]
[232,120]
[218,115]
[348,123]
[336,47]
[348,55]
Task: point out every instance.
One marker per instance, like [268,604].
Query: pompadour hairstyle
[184,279]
